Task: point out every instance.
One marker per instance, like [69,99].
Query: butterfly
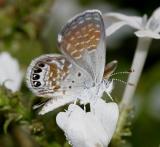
[79,73]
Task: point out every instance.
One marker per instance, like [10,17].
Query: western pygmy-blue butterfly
[79,73]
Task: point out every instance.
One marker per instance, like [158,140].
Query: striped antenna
[125,72]
[123,82]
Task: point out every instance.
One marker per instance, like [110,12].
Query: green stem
[22,137]
[137,65]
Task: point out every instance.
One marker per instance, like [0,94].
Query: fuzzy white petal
[81,129]
[72,123]
[154,21]
[133,21]
[114,27]
[147,34]
[10,74]
[86,128]
[108,114]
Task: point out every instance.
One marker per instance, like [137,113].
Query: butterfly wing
[63,79]
[55,103]
[82,40]
[53,76]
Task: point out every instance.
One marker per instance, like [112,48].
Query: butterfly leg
[109,96]
[75,102]
[84,107]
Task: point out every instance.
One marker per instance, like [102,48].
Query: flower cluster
[10,74]
[89,129]
[149,29]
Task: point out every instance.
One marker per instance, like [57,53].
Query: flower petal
[10,74]
[73,112]
[133,21]
[72,123]
[154,21]
[108,114]
[114,27]
[89,129]
[148,34]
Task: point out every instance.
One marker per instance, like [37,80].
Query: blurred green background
[29,29]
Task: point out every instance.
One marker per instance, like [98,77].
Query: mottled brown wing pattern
[80,34]
[82,41]
[46,73]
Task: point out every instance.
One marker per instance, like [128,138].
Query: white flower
[10,74]
[149,29]
[89,129]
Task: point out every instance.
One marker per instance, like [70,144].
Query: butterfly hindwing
[53,75]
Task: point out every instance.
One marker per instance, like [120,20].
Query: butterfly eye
[36,76]
[36,83]
[38,70]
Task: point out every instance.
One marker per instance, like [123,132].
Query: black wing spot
[79,74]
[48,60]
[41,65]
[38,70]
[35,77]
[36,83]
[70,87]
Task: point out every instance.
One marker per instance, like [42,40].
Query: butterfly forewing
[82,41]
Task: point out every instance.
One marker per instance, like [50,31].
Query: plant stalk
[137,65]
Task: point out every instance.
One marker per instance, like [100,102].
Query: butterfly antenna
[121,81]
[125,72]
